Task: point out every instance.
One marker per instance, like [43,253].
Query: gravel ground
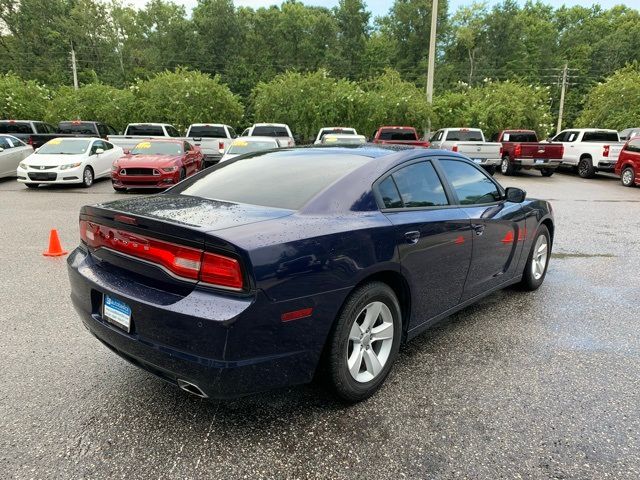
[522,385]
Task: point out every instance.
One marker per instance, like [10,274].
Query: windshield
[465,135]
[65,146]
[157,148]
[83,128]
[281,179]
[207,131]
[240,147]
[269,131]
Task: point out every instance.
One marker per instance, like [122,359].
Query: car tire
[491,169]
[32,185]
[505,167]
[585,168]
[535,269]
[87,177]
[183,175]
[356,362]
[628,177]
[547,172]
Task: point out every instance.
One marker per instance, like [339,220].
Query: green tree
[353,30]
[96,102]
[21,99]
[613,103]
[183,97]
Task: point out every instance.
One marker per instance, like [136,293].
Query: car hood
[209,215]
[54,159]
[133,161]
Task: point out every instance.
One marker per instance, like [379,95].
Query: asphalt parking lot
[522,385]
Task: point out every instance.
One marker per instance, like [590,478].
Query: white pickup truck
[590,150]
[280,131]
[212,138]
[469,142]
[136,132]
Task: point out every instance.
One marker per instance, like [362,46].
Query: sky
[381,7]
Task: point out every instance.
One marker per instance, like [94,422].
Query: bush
[184,97]
[614,103]
[496,106]
[96,102]
[20,99]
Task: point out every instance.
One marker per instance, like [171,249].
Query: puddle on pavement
[581,255]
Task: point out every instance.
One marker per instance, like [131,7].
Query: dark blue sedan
[262,271]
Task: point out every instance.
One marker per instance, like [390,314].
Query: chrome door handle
[478,228]
[412,236]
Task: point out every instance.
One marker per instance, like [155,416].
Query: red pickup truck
[393,135]
[522,150]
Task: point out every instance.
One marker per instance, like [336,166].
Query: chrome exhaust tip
[192,388]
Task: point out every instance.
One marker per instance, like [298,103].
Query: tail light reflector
[184,262]
[221,147]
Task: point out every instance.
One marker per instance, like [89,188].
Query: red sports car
[156,164]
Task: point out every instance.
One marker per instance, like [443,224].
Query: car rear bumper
[211,158]
[227,345]
[540,163]
[486,162]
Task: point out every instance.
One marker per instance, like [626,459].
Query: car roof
[208,125]
[154,124]
[270,125]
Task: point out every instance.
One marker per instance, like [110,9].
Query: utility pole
[432,60]
[74,68]
[564,87]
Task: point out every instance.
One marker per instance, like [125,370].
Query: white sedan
[243,145]
[69,160]
[12,152]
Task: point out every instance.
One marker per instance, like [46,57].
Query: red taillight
[605,151]
[221,147]
[518,150]
[184,262]
[454,148]
[219,270]
[30,141]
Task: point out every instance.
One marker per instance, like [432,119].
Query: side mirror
[515,195]
[99,151]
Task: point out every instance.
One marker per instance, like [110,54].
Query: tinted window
[111,130]
[269,131]
[108,145]
[570,136]
[79,128]
[470,184]
[284,179]
[207,131]
[420,186]
[232,133]
[600,137]
[10,142]
[437,136]
[15,127]
[464,135]
[146,130]
[398,134]
[102,129]
[187,147]
[389,193]
[519,137]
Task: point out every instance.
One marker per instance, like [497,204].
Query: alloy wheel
[627,177]
[504,166]
[370,342]
[540,256]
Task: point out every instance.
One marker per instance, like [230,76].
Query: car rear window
[519,137]
[600,137]
[465,136]
[149,130]
[15,127]
[83,128]
[269,131]
[207,131]
[398,134]
[332,131]
[286,179]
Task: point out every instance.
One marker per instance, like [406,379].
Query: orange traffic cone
[55,249]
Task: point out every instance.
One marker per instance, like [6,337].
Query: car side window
[172,131]
[187,147]
[107,145]
[472,186]
[4,143]
[232,133]
[560,137]
[96,145]
[634,145]
[418,186]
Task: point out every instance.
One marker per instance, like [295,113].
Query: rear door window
[389,193]
[472,186]
[600,137]
[415,186]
